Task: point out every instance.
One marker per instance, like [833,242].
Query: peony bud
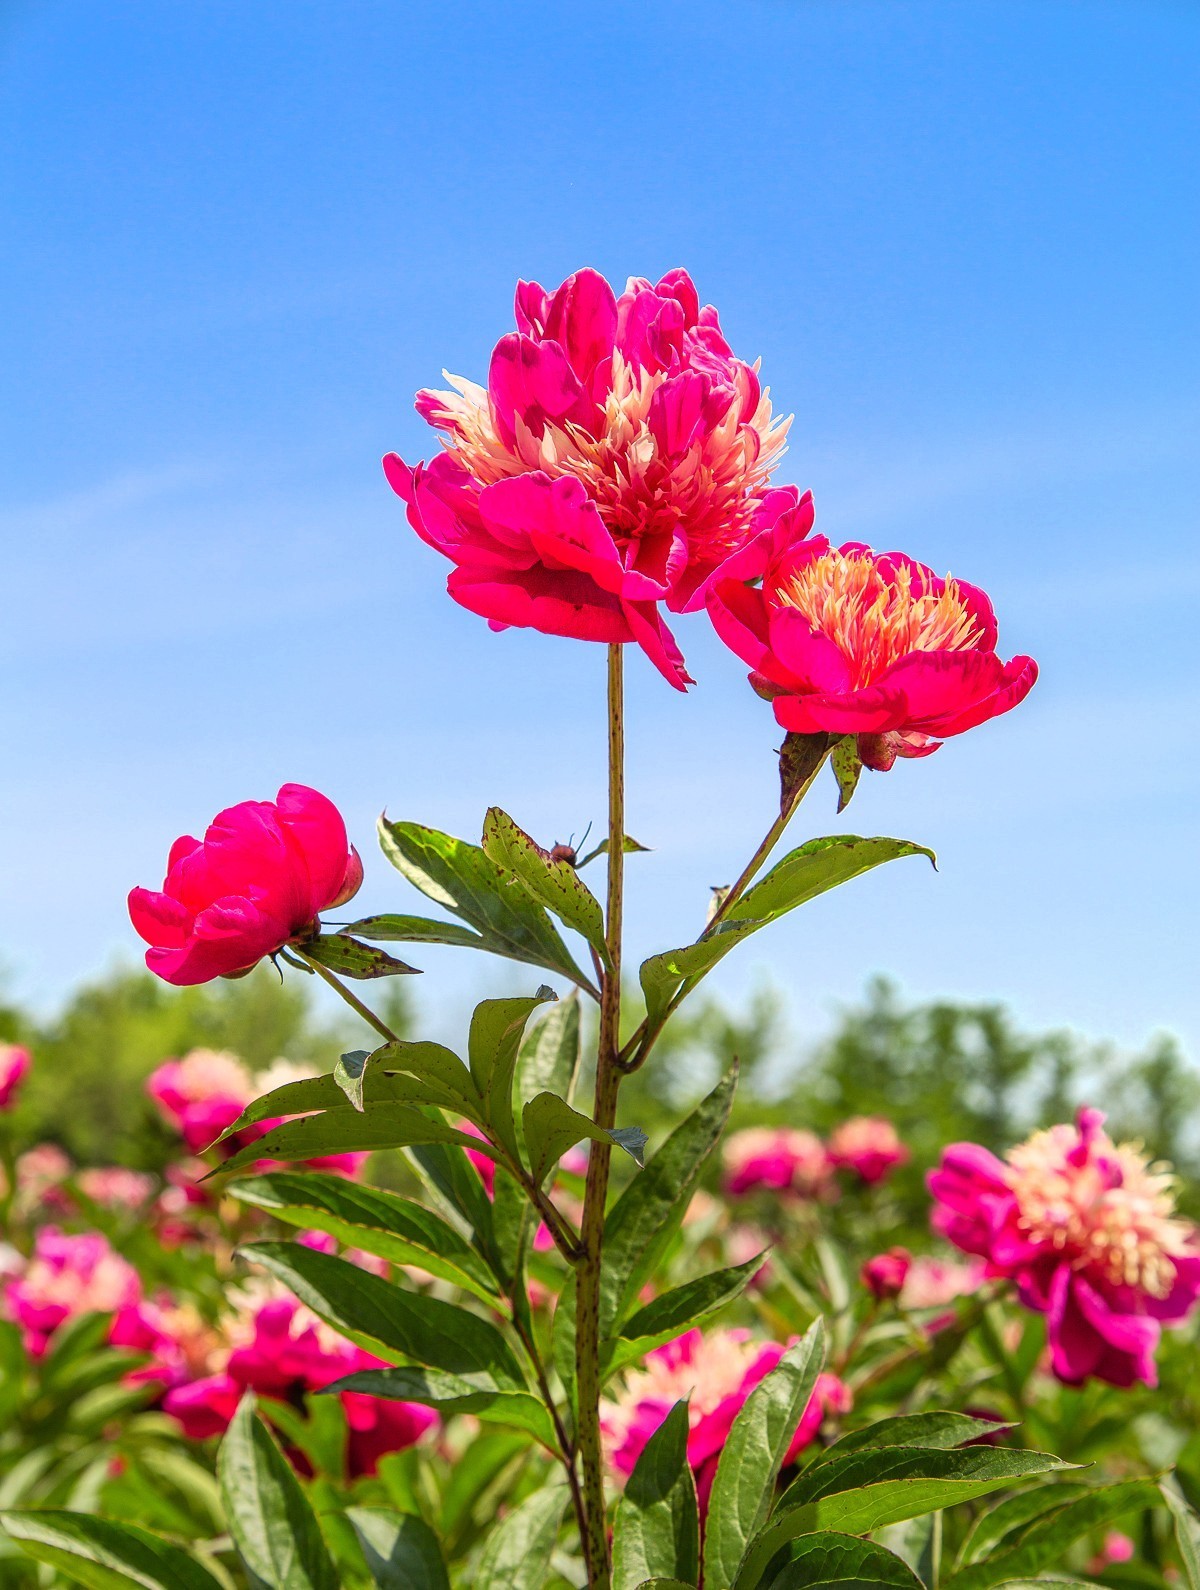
[885,1274]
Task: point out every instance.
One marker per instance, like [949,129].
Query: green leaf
[833,1559]
[629,847]
[674,1311]
[816,867]
[665,1584]
[847,769]
[348,1074]
[657,1527]
[427,1073]
[753,1455]
[800,759]
[345,1131]
[467,882]
[497,1027]
[865,1490]
[402,1551]
[937,1430]
[549,1056]
[452,1178]
[552,1127]
[273,1527]
[451,1394]
[554,884]
[390,1320]
[415,930]
[663,975]
[103,1554]
[1046,1540]
[1013,1515]
[1187,1533]
[433,1074]
[345,955]
[644,1219]
[373,1219]
[516,1553]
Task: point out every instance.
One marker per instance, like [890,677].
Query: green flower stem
[352,999]
[608,1081]
[566,1448]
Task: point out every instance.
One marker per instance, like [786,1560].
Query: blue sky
[962,237]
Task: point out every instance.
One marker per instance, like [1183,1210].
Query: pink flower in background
[618,459]
[261,875]
[868,1146]
[277,1075]
[14,1063]
[884,1275]
[483,1163]
[1117,1548]
[68,1275]
[777,1159]
[1088,1232]
[850,641]
[717,1371]
[41,1171]
[931,1283]
[114,1187]
[202,1094]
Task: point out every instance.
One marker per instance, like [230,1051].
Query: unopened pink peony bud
[885,1274]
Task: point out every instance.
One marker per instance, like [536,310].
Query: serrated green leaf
[831,1559]
[273,1527]
[517,1551]
[348,1074]
[350,958]
[401,1550]
[1046,1540]
[104,1554]
[554,884]
[452,1394]
[866,1490]
[379,1222]
[464,880]
[938,1430]
[345,1131]
[677,1310]
[390,1320]
[753,1455]
[657,1527]
[391,928]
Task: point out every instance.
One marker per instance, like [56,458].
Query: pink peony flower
[14,1063]
[849,641]
[1117,1548]
[884,1275]
[931,1283]
[41,1172]
[260,877]
[202,1094]
[617,459]
[717,1372]
[114,1187]
[777,1159]
[868,1146]
[68,1275]
[1088,1232]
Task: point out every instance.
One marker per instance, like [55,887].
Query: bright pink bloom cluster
[617,460]
[868,1146]
[844,641]
[1087,1230]
[114,1187]
[202,1094]
[14,1063]
[68,1275]
[781,1159]
[884,1274]
[261,875]
[281,1351]
[717,1372]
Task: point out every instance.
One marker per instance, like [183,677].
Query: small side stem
[566,1449]
[608,1081]
[352,999]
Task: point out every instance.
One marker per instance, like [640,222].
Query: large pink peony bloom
[850,641]
[781,1159]
[716,1372]
[68,1275]
[1088,1232]
[281,1351]
[869,1146]
[617,460]
[260,876]
[14,1063]
[202,1094]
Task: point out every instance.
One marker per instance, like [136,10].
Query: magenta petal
[652,635]
[739,616]
[582,318]
[809,658]
[159,919]
[559,521]
[534,382]
[874,710]
[1017,679]
[316,825]
[567,603]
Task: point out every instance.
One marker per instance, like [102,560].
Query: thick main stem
[608,1081]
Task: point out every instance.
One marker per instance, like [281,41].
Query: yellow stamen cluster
[874,616]
[1113,1214]
[710,492]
